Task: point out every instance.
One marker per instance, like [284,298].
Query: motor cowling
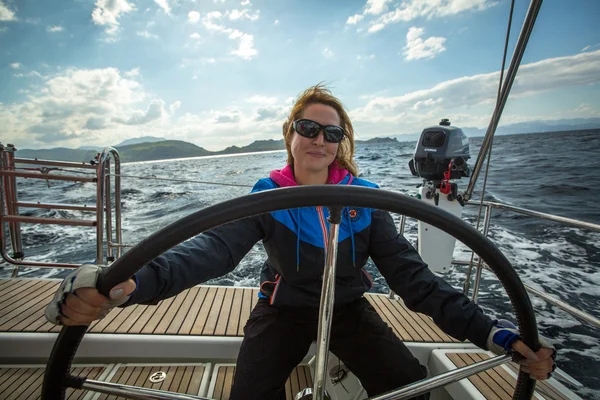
[437,147]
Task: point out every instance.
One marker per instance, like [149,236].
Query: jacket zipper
[277,281]
[323,226]
[364,271]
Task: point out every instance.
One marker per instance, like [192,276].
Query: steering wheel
[57,377]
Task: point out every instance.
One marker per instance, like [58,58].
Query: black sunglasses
[310,129]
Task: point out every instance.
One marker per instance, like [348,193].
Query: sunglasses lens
[308,129]
[334,134]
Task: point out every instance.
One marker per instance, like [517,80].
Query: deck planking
[498,383]
[26,383]
[299,379]
[201,310]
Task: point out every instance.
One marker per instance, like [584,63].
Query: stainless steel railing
[9,205]
[98,172]
[489,205]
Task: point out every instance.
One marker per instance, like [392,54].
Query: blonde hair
[319,94]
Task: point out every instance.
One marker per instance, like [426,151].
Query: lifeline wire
[489,154]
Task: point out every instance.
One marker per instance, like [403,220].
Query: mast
[527,28]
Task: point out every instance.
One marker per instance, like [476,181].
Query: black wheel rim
[57,378]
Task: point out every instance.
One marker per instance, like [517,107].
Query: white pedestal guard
[435,246]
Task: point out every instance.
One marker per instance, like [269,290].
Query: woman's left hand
[539,365]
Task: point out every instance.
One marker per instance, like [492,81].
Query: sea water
[556,173]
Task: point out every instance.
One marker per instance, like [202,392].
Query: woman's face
[315,155]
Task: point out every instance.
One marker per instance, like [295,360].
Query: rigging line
[511,74]
[144,177]
[56,169]
[180,180]
[489,152]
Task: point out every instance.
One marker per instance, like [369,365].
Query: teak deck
[201,310]
[26,383]
[206,311]
[497,383]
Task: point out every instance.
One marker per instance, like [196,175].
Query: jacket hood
[337,175]
[285,177]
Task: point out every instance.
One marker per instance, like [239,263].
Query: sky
[226,72]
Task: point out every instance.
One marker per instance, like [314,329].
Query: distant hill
[573,124]
[143,139]
[94,148]
[161,149]
[258,145]
[164,149]
[377,140]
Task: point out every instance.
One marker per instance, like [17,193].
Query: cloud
[195,35]
[412,9]
[375,28]
[586,109]
[327,53]
[193,17]
[590,47]
[227,117]
[363,60]
[50,135]
[417,48]
[174,106]
[264,113]
[103,106]
[78,107]
[147,35]
[376,7]
[270,108]
[409,10]
[466,93]
[95,124]
[155,110]
[262,100]
[369,57]
[214,15]
[355,19]
[16,65]
[421,104]
[245,2]
[55,28]
[276,22]
[70,104]
[209,22]
[243,14]
[164,4]
[30,74]
[133,72]
[6,14]
[107,13]
[245,47]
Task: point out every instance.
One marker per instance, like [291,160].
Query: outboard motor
[438,149]
[441,155]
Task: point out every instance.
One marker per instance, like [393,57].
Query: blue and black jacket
[295,241]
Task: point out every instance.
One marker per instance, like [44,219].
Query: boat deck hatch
[497,383]
[25,382]
[222,379]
